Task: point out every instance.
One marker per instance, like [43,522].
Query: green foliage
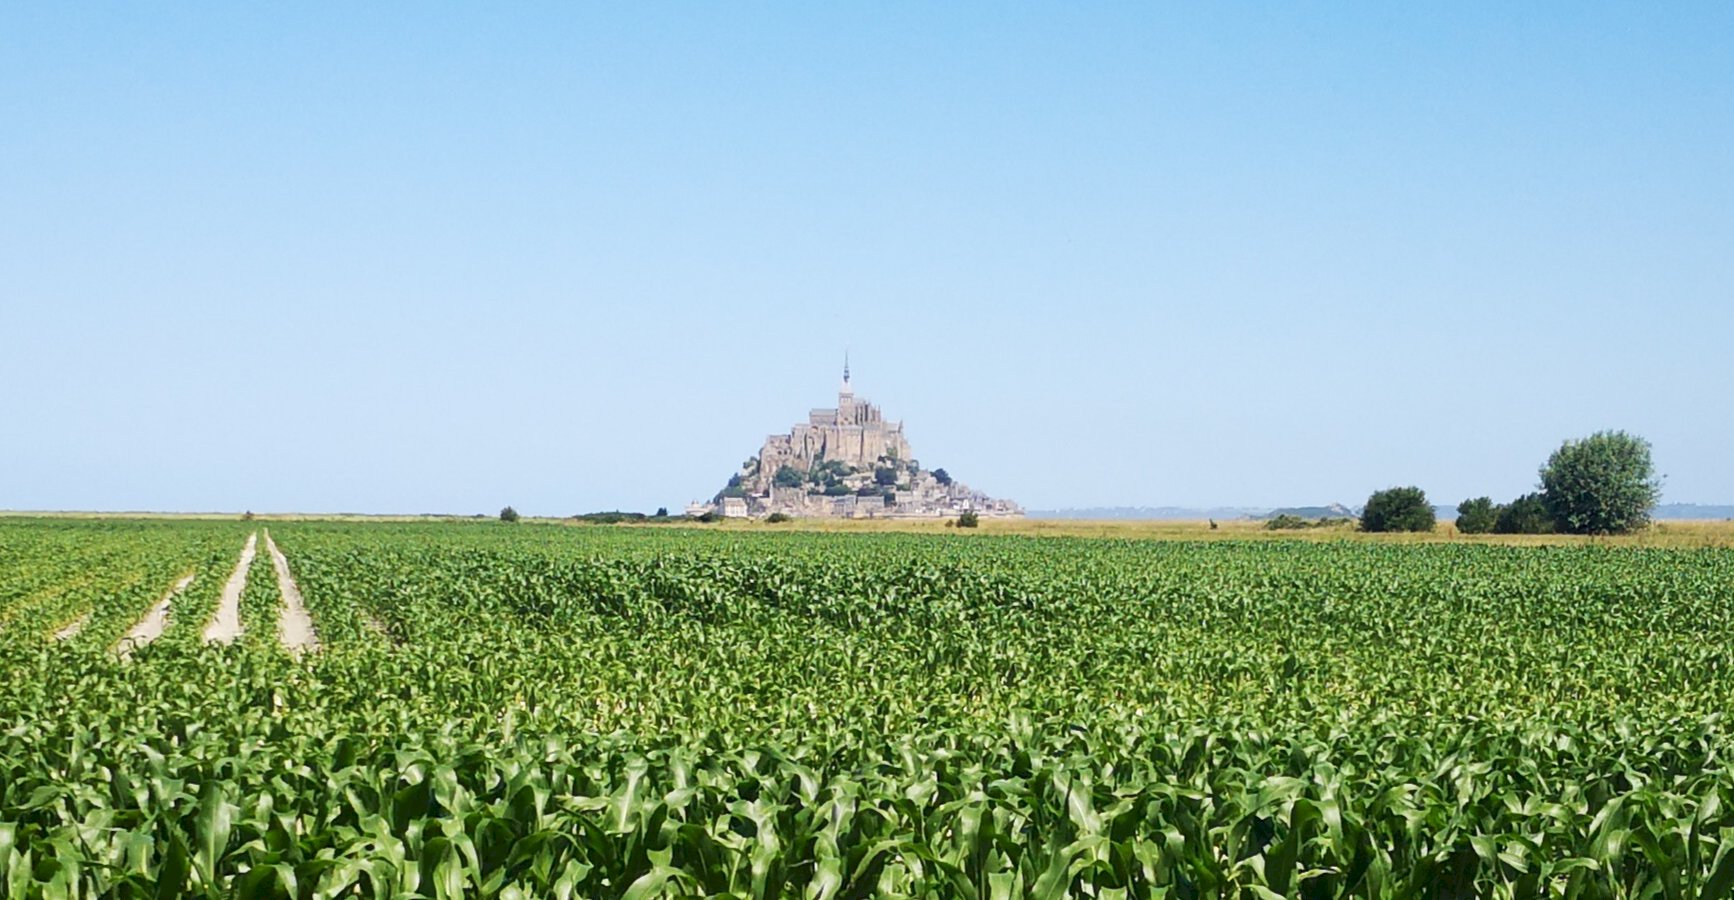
[618,517]
[1398,509]
[942,476]
[1526,515]
[1291,522]
[789,477]
[777,518]
[736,487]
[690,712]
[885,476]
[508,515]
[1602,484]
[968,519]
[832,470]
[827,478]
[1477,516]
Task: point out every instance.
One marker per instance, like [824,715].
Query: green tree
[1398,509]
[735,488]
[1525,515]
[1477,516]
[1602,484]
[968,519]
[942,476]
[885,477]
[508,515]
[788,477]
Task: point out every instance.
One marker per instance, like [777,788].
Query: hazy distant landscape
[1675,511]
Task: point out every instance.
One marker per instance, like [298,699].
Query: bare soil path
[225,624]
[71,629]
[294,625]
[148,628]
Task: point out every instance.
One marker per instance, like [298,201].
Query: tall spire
[847,391]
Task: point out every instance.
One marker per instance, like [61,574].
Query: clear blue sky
[444,258]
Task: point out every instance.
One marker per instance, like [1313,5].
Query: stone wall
[855,433]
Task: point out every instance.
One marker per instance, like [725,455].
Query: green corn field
[536,711]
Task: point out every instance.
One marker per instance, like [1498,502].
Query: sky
[443,258]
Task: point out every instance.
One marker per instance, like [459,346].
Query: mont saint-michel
[847,462]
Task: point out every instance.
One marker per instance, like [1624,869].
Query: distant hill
[1172,513]
[1332,511]
[1693,511]
[1195,513]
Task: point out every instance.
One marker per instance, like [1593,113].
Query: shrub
[1398,509]
[1292,522]
[1477,516]
[1526,515]
[788,477]
[885,476]
[609,517]
[942,476]
[508,515]
[1602,484]
[968,519]
[777,518]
